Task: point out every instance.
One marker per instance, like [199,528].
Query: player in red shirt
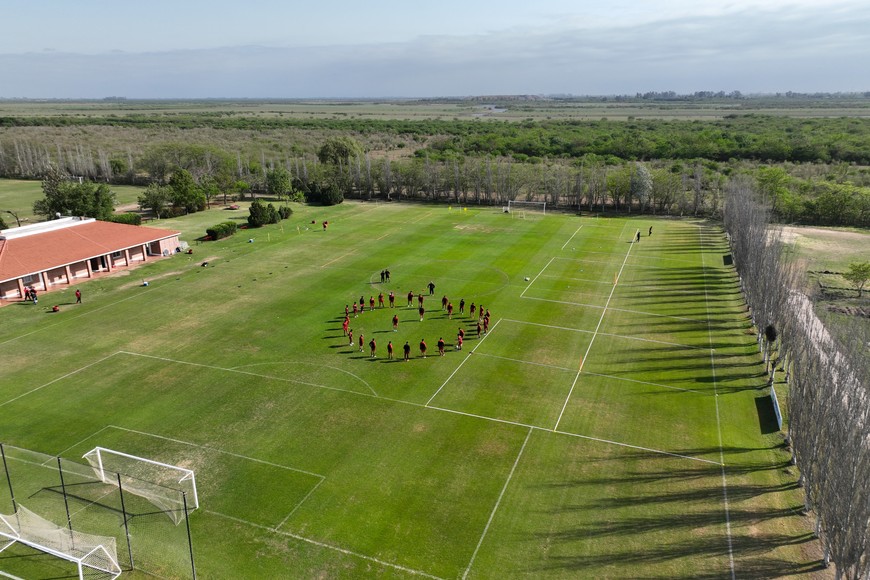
[381,300]
[395,323]
[440,347]
[422,348]
[458,342]
[346,310]
[449,310]
[410,298]
[350,337]
[390,350]
[373,346]
[444,302]
[420,299]
[392,299]
[479,328]
[345,325]
[355,310]
[485,324]
[361,341]
[471,310]
[461,332]
[422,311]
[371,303]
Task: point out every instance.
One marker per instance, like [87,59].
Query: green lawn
[597,430]
[18,195]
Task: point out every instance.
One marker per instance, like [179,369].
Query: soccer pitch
[610,423]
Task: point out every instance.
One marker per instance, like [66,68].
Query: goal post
[169,487]
[527,206]
[94,556]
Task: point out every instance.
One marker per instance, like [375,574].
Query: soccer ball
[527,278]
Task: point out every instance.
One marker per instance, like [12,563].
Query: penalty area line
[529,285]
[572,237]
[460,364]
[326,546]
[51,382]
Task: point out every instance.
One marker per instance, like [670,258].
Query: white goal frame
[90,553]
[519,205]
[155,488]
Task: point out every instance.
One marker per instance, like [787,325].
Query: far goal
[169,487]
[522,208]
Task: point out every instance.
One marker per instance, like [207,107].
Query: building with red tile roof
[54,254]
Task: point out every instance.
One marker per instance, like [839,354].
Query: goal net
[94,556]
[169,487]
[522,208]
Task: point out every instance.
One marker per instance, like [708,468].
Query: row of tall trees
[829,383]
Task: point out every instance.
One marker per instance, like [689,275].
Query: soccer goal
[95,557]
[521,208]
[169,487]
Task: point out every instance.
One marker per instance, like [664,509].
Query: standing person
[410,298]
[449,311]
[390,350]
[381,300]
[361,341]
[407,350]
[479,328]
[350,336]
[441,346]
[462,306]
[383,276]
[485,324]
[362,305]
[345,325]
[637,237]
[422,311]
[355,310]
[371,303]
[78,296]
[422,348]
[480,311]
[420,299]
[27,293]
[387,274]
[431,288]
[650,231]
[373,346]
[471,310]
[392,299]
[346,310]
[395,323]
[325,224]
[444,302]
[461,332]
[458,342]
[33,295]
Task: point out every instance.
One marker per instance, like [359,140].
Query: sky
[385,48]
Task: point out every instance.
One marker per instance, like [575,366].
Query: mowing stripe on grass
[638,447]
[529,285]
[360,379]
[592,340]
[51,382]
[462,363]
[337,259]
[580,280]
[646,383]
[497,503]
[526,362]
[608,334]
[586,305]
[325,545]
[718,419]
[572,237]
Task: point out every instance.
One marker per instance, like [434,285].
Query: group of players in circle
[358,308]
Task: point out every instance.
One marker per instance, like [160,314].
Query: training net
[94,556]
[169,487]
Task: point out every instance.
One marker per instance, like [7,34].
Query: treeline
[740,137]
[829,414]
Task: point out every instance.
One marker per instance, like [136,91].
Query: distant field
[611,423]
[18,195]
[452,108]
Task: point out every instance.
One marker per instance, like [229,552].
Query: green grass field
[18,196]
[611,423]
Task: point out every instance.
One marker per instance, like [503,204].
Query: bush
[285,211]
[221,230]
[133,219]
[261,215]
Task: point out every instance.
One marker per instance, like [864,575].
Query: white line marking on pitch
[91,436]
[526,362]
[424,216]
[579,279]
[497,503]
[638,447]
[301,501]
[51,382]
[360,379]
[586,305]
[615,378]
[325,545]
[462,363]
[572,237]
[337,259]
[529,285]
[608,334]
[718,419]
[592,340]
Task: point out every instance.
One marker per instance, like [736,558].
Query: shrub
[285,211]
[133,219]
[261,215]
[221,230]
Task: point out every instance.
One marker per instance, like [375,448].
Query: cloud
[798,47]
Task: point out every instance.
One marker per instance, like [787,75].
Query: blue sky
[290,49]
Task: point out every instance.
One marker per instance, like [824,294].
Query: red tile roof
[25,255]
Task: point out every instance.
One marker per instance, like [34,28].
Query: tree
[186,195]
[338,150]
[858,275]
[261,215]
[278,182]
[66,197]
[155,198]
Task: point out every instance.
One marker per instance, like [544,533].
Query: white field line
[497,503]
[259,376]
[628,310]
[360,379]
[529,285]
[526,362]
[298,505]
[688,346]
[91,436]
[634,266]
[10,576]
[462,363]
[638,447]
[337,259]
[217,450]
[383,236]
[718,418]
[325,545]
[422,217]
[51,382]
[592,340]
[579,279]
[572,237]
[663,386]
